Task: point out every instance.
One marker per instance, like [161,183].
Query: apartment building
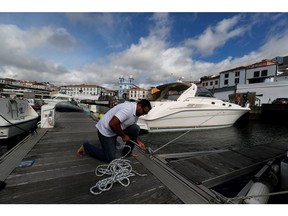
[260,72]
[138,93]
[210,82]
[82,89]
[232,77]
[263,71]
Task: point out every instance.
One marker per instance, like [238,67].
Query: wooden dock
[58,176]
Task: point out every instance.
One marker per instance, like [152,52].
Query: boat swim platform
[58,176]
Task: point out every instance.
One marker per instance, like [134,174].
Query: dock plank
[75,189]
[204,167]
[59,176]
[196,174]
[216,168]
[258,153]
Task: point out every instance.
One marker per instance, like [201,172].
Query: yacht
[54,99]
[16,117]
[185,106]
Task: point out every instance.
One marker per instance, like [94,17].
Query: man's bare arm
[115,125]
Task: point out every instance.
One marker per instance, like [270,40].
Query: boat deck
[57,175]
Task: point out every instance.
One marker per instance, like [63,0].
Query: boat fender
[275,168]
[100,116]
[284,173]
[257,188]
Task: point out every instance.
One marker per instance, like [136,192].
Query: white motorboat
[54,99]
[184,106]
[16,117]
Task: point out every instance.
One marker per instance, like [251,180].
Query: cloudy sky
[96,48]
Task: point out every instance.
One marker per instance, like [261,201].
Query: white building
[138,93]
[260,72]
[7,81]
[263,71]
[82,89]
[210,82]
[252,78]
[232,77]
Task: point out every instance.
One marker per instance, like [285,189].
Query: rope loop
[119,170]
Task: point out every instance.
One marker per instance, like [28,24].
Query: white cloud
[161,25]
[104,25]
[215,37]
[19,53]
[151,60]
[17,39]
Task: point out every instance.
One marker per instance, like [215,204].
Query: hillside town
[264,71]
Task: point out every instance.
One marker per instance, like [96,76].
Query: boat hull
[17,128]
[191,120]
[16,117]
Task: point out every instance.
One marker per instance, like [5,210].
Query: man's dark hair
[145,103]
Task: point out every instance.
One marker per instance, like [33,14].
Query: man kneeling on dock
[119,121]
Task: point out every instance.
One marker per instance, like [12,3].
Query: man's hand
[125,138]
[141,145]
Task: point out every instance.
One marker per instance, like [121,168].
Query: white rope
[119,170]
[230,200]
[154,151]
[255,196]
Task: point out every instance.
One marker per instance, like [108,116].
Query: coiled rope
[119,170]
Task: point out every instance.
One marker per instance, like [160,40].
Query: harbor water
[7,144]
[241,134]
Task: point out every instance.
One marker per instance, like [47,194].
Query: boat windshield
[169,94]
[172,92]
[203,92]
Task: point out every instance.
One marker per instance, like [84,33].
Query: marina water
[7,144]
[241,134]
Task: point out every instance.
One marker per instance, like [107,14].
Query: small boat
[54,99]
[185,106]
[16,117]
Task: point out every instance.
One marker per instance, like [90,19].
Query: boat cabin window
[203,92]
[168,95]
[173,95]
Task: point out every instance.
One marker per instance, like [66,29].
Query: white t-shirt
[125,112]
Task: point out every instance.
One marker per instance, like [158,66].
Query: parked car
[280,101]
